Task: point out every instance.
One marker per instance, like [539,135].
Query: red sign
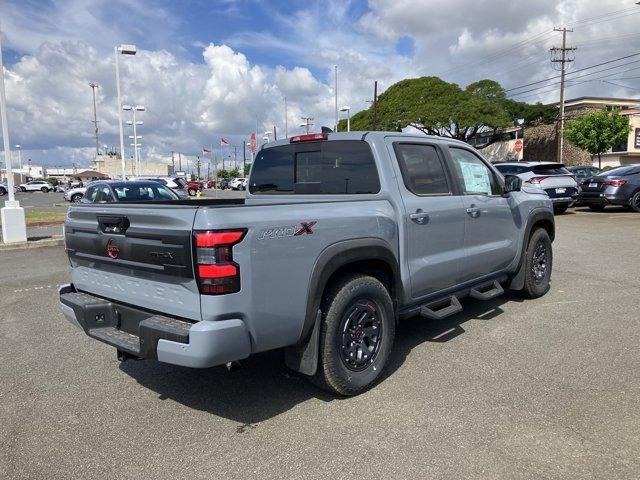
[518,146]
[252,143]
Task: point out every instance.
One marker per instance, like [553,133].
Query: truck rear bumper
[142,334]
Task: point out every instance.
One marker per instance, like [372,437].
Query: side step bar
[443,309]
[486,291]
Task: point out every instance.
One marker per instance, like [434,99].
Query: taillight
[536,180]
[310,137]
[615,183]
[216,271]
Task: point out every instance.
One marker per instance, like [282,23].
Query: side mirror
[512,183]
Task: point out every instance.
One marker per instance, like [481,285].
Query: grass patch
[36,215]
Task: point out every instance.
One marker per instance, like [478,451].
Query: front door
[490,230]
[433,218]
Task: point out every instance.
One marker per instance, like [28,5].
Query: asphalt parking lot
[509,389]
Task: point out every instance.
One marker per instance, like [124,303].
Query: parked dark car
[193,187]
[119,191]
[224,183]
[582,172]
[619,186]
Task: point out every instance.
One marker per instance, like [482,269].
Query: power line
[573,72]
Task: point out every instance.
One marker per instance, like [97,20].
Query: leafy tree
[596,132]
[223,174]
[235,173]
[436,107]
[247,169]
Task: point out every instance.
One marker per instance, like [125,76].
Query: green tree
[596,132]
[235,173]
[223,174]
[247,169]
[436,107]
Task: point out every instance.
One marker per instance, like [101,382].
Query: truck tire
[538,264]
[356,336]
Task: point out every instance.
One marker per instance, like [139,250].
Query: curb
[55,241]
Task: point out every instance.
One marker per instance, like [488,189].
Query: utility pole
[335,128]
[375,105]
[235,157]
[198,165]
[308,122]
[275,133]
[559,55]
[286,124]
[173,162]
[244,156]
[179,161]
[93,86]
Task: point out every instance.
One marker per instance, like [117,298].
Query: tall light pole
[308,122]
[335,67]
[93,86]
[14,227]
[348,110]
[123,49]
[135,123]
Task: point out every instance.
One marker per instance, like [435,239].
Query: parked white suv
[74,194]
[36,185]
[238,183]
[559,183]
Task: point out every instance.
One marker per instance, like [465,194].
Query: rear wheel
[76,198]
[538,264]
[2,192]
[634,203]
[192,192]
[560,209]
[357,332]
[596,208]
[44,190]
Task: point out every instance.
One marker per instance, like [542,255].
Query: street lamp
[135,123]
[19,148]
[123,49]
[14,226]
[348,110]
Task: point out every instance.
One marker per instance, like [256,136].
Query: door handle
[473,211]
[419,217]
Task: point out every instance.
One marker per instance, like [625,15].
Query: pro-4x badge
[305,229]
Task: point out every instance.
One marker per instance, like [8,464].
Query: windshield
[143,193]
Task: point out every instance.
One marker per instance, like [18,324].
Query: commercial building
[111,165]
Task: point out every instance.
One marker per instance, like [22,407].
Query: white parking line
[32,289]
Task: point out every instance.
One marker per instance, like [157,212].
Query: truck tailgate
[135,254]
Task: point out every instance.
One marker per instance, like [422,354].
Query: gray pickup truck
[341,235]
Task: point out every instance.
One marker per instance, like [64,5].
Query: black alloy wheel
[360,334]
[634,202]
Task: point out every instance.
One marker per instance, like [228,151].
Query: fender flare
[536,215]
[303,357]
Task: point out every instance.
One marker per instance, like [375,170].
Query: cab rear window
[315,168]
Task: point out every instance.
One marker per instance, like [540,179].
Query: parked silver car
[554,178]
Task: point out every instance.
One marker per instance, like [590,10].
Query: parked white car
[36,185]
[238,183]
[559,183]
[74,194]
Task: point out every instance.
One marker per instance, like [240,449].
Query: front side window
[422,169]
[473,174]
[324,168]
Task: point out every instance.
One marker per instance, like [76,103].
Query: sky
[207,69]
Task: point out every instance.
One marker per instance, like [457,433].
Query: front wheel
[76,198]
[22,189]
[44,190]
[192,192]
[538,263]
[356,338]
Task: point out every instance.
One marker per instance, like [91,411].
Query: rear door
[433,219]
[135,254]
[490,236]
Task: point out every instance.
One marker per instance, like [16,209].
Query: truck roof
[361,135]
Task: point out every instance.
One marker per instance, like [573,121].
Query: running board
[486,291]
[452,307]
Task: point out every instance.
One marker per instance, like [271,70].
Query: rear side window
[422,169]
[324,168]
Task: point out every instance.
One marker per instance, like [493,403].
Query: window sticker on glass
[476,177]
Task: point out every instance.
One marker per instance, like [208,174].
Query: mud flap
[304,358]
